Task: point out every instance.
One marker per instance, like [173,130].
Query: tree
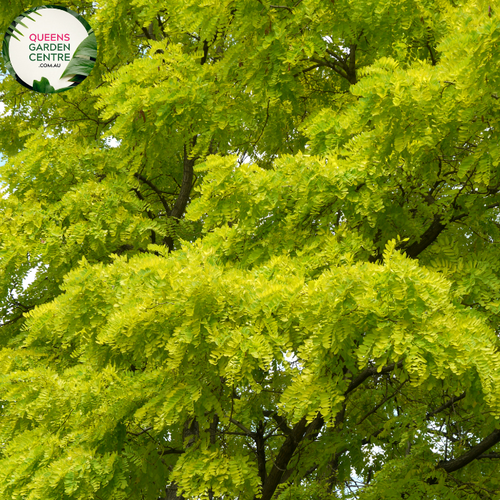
[255,255]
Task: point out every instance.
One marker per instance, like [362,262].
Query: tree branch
[431,52]
[368,372]
[289,9]
[187,184]
[429,236]
[475,452]
[248,432]
[155,189]
[144,431]
[446,405]
[185,191]
[488,455]
[280,421]
[390,396]
[351,73]
[285,454]
[260,447]
[330,65]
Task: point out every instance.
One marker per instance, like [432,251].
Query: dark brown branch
[144,431]
[311,434]
[429,236]
[190,431]
[172,493]
[248,432]
[213,436]
[284,456]
[384,400]
[446,405]
[171,451]
[331,65]
[289,9]
[260,447]
[148,32]
[492,205]
[289,472]
[280,421]
[432,232]
[185,191]
[351,73]
[309,68]
[155,189]
[11,321]
[205,52]
[475,452]
[264,126]
[444,434]
[488,455]
[368,372]
[148,212]
[187,184]
[431,52]
[213,429]
[373,435]
[341,61]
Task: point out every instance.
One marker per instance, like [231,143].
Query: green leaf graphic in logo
[18,21]
[43,86]
[83,60]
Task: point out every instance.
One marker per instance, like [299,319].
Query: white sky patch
[29,278]
[2,110]
[112,142]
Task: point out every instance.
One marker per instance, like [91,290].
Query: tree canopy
[256,255]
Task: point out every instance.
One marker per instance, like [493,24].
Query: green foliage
[255,254]
[83,60]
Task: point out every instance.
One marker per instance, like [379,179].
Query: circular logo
[50,49]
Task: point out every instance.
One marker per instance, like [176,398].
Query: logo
[49,49]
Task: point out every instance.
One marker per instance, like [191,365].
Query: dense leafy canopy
[255,254]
